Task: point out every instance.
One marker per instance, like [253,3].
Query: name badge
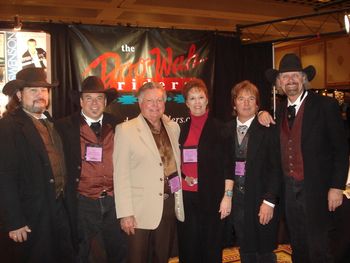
[93,153]
[189,155]
[174,184]
[240,168]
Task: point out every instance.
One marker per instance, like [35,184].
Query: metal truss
[294,28]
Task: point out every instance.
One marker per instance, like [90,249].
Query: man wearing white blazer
[147,181]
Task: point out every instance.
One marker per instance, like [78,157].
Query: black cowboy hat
[94,84]
[290,62]
[29,77]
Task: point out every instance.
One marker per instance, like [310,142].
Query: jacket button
[160,194]
[77,180]
[79,167]
[52,181]
[161,179]
[160,164]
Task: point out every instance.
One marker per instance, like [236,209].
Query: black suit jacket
[69,129]
[26,181]
[262,182]
[325,155]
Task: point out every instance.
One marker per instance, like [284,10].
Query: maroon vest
[96,177]
[292,158]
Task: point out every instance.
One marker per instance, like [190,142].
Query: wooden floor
[231,255]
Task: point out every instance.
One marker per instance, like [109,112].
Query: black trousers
[100,236]
[155,246]
[306,248]
[200,235]
[340,238]
[238,207]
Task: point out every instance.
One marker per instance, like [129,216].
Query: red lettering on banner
[129,76]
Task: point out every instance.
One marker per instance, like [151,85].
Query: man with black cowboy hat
[33,174]
[88,143]
[314,159]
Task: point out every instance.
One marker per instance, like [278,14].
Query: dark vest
[54,148]
[96,177]
[241,150]
[240,155]
[292,159]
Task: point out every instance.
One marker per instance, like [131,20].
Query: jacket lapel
[146,136]
[31,134]
[309,111]
[174,140]
[254,140]
[75,123]
[185,129]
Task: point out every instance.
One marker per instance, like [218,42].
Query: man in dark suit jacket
[32,175]
[88,144]
[314,158]
[253,160]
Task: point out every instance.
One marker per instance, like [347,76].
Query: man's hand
[265,214]
[20,235]
[265,118]
[128,224]
[335,198]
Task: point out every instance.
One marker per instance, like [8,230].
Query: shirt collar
[247,123]
[299,100]
[43,116]
[89,120]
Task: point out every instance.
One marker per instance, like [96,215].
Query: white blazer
[138,172]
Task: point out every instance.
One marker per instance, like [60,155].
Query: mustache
[292,83]
[40,100]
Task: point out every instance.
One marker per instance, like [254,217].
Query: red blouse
[194,134]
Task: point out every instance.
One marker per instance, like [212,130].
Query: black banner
[125,58]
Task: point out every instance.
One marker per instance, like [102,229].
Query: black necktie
[96,127]
[291,115]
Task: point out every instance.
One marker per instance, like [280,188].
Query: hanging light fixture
[347,22]
[18,24]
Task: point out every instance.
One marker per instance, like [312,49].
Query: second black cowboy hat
[93,84]
[290,62]
[29,77]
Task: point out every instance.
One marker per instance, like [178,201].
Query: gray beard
[34,109]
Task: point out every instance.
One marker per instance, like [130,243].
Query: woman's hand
[190,180]
[225,206]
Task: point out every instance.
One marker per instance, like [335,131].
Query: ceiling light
[18,24]
[347,23]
